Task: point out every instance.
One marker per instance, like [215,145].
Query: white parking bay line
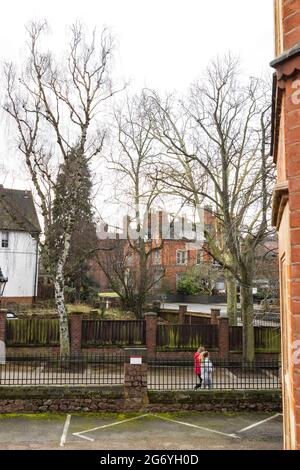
[234,436]
[79,434]
[65,431]
[259,423]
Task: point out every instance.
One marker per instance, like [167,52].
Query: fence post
[215,314]
[76,332]
[3,313]
[223,337]
[2,335]
[182,313]
[135,379]
[151,331]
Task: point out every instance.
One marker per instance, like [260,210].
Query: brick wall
[76,332]
[286,205]
[151,328]
[291,23]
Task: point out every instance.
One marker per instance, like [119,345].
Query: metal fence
[269,319]
[111,332]
[87,369]
[226,375]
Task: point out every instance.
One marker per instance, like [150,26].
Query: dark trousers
[200,382]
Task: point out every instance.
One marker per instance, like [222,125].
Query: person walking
[206,370]
[197,365]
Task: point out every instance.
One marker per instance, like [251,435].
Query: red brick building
[174,255]
[286,204]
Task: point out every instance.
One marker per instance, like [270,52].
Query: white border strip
[65,431]
[234,436]
[260,422]
[105,426]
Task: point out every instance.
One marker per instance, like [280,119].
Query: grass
[110,314]
[122,416]
[81,308]
[33,416]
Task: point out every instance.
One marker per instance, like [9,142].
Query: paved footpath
[172,431]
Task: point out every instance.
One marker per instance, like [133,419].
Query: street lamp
[3,281]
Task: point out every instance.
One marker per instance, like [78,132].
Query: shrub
[188,286]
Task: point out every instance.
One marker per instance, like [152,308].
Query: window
[157,281]
[198,257]
[4,240]
[172,230]
[181,257]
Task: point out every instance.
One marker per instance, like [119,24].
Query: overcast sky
[162,44]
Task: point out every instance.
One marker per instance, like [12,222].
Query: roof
[17,211]
[286,55]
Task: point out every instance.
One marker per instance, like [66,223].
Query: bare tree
[131,161]
[121,265]
[226,138]
[54,105]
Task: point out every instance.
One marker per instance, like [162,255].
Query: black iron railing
[225,375]
[87,369]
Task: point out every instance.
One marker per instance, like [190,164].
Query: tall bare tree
[226,138]
[131,161]
[54,104]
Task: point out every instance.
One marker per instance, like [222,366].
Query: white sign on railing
[136,360]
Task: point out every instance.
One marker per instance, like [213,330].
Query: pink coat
[197,363]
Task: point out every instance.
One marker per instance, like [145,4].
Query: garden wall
[41,336]
[112,399]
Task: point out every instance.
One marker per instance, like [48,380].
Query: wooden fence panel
[196,320]
[235,338]
[187,337]
[32,332]
[266,339]
[112,332]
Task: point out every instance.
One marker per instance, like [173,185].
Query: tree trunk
[231,292]
[59,285]
[247,317]
[142,282]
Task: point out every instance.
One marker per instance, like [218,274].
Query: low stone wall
[215,400]
[60,399]
[113,399]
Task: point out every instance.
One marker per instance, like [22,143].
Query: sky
[160,44]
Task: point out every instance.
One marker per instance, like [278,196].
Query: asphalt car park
[142,431]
